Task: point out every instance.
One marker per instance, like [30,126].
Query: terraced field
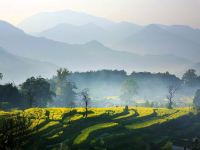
[105,128]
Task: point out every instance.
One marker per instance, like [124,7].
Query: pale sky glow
[186,12]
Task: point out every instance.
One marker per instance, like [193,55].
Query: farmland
[66,128]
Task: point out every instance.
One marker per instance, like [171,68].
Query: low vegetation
[68,128]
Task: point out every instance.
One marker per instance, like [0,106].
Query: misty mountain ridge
[156,40]
[178,40]
[102,57]
[17,68]
[74,34]
[81,34]
[184,31]
[92,55]
[47,20]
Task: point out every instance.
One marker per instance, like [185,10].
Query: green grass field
[105,128]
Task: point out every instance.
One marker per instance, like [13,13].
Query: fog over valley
[99,75]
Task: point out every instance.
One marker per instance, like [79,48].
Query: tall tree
[10,94]
[129,89]
[37,91]
[189,77]
[64,89]
[85,98]
[62,74]
[196,100]
[1,76]
[172,89]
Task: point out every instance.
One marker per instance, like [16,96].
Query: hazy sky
[138,11]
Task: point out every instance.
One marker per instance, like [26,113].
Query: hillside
[156,40]
[16,68]
[184,31]
[74,34]
[78,57]
[84,33]
[135,128]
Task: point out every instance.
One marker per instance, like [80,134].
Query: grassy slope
[109,128]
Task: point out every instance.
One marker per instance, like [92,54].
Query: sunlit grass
[130,113]
[143,111]
[162,115]
[50,123]
[86,132]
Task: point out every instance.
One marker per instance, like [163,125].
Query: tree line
[62,89]
[41,92]
[190,81]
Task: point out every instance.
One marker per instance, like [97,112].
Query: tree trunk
[86,109]
[30,101]
[170,104]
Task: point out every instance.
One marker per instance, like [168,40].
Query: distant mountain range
[152,39]
[82,42]
[16,68]
[84,33]
[47,20]
[156,40]
[81,57]
[75,27]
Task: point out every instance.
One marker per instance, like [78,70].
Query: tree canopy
[62,74]
[1,75]
[10,94]
[64,89]
[189,77]
[37,91]
[196,100]
[129,89]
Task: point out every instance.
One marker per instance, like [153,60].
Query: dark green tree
[62,74]
[129,89]
[147,104]
[10,96]
[1,76]
[64,89]
[37,92]
[189,77]
[196,100]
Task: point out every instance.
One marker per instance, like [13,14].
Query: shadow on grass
[74,128]
[71,132]
[152,137]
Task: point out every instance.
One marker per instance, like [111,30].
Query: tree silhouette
[85,98]
[172,89]
[189,77]
[37,91]
[129,89]
[64,89]
[196,100]
[1,76]
[10,95]
[62,74]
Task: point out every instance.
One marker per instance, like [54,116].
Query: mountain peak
[181,27]
[43,21]
[7,28]
[153,27]
[94,43]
